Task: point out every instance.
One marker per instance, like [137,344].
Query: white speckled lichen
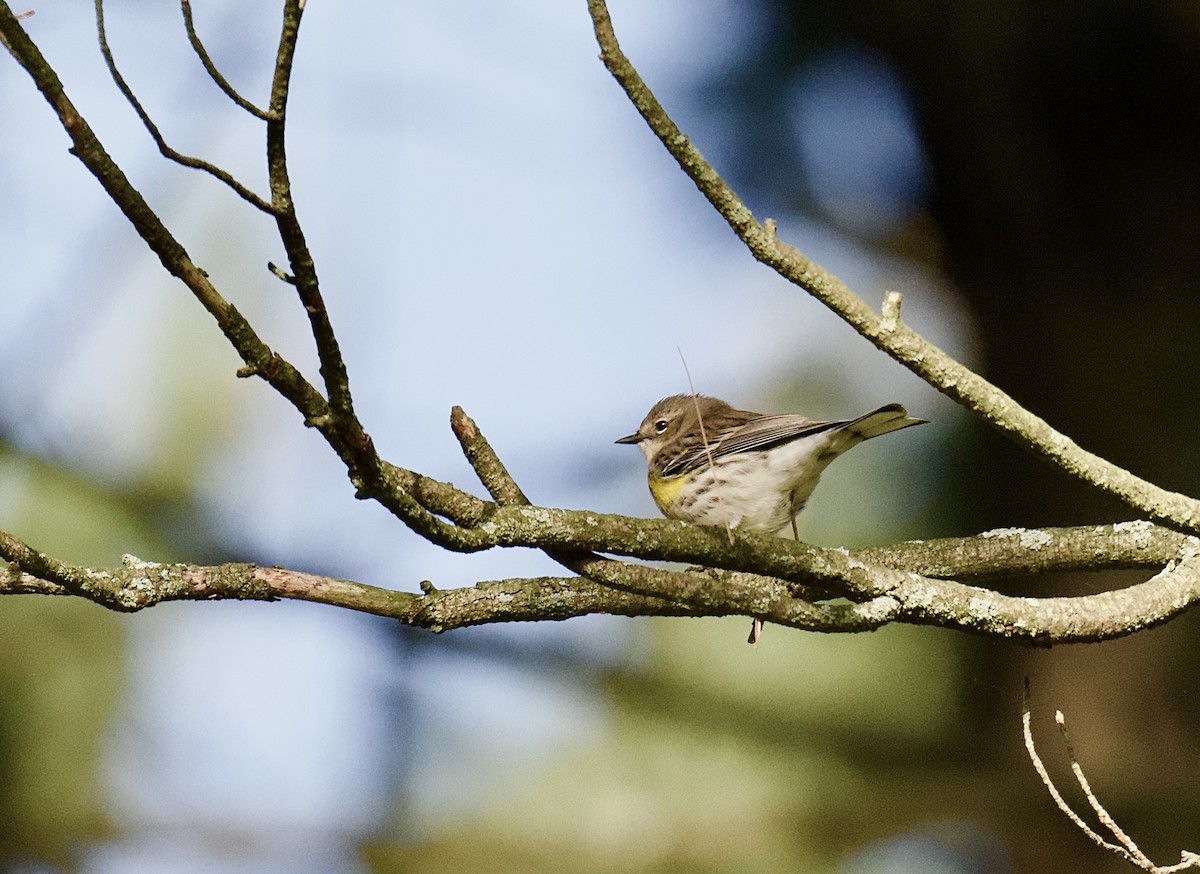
[1034,539]
[1002,532]
[1141,530]
[137,592]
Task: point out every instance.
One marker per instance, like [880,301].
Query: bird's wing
[767,431]
[759,433]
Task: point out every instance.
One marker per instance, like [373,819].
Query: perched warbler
[712,464]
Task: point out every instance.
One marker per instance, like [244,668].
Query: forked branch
[1124,845]
[167,152]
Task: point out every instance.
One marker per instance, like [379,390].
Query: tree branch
[140,584]
[303,269]
[630,589]
[889,335]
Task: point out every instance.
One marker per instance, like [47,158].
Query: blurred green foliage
[61,664]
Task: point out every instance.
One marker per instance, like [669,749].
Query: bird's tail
[885,420]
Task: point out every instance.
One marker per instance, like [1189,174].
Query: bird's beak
[632,438]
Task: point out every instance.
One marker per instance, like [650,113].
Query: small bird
[711,464]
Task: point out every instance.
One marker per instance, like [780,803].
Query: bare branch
[211,68]
[483,459]
[282,206]
[178,157]
[784,582]
[1101,813]
[1032,551]
[281,274]
[303,269]
[889,335]
[1126,848]
[27,565]
[139,584]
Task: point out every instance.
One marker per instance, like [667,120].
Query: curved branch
[889,335]
[1047,621]
[626,589]
[211,68]
[167,152]
[1006,552]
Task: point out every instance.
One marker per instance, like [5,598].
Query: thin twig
[167,152]
[1040,768]
[281,274]
[1126,849]
[1101,813]
[394,487]
[281,206]
[211,67]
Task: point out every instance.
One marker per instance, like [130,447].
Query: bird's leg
[756,625]
[755,631]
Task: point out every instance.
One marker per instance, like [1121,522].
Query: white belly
[760,491]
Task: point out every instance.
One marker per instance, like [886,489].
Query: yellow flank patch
[666,489]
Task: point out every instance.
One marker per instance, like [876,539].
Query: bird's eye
[660,425]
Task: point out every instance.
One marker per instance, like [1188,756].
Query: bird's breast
[665,489]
